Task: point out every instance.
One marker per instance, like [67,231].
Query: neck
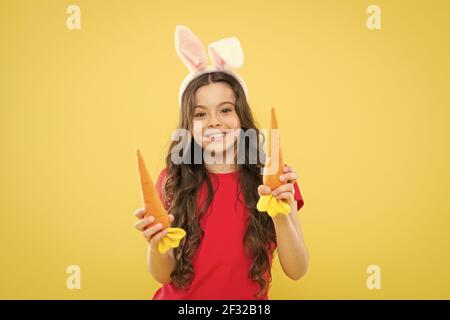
[221,168]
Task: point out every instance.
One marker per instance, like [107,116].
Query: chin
[219,146]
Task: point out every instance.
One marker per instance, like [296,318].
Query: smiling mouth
[215,137]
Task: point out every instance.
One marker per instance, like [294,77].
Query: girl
[228,250]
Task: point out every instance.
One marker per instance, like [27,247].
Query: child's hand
[154,233]
[285,191]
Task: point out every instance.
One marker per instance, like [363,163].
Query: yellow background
[364,117]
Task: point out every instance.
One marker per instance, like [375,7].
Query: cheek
[198,131]
[233,122]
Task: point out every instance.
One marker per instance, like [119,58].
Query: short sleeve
[298,196]
[160,183]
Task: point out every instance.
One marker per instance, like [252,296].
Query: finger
[263,190]
[286,195]
[171,218]
[139,213]
[287,168]
[290,176]
[287,187]
[158,236]
[141,224]
[152,230]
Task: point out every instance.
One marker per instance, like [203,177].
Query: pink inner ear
[216,59]
[190,49]
[193,62]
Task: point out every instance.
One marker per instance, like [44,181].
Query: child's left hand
[285,191]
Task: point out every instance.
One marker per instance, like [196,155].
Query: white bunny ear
[190,49]
[226,52]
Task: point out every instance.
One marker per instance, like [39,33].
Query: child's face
[215,113]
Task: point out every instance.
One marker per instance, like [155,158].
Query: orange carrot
[156,209]
[273,180]
[151,198]
[268,203]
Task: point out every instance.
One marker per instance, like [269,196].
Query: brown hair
[184,181]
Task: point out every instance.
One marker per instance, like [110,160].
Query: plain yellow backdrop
[364,117]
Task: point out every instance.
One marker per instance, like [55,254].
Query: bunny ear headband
[225,54]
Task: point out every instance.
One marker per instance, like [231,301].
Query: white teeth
[217,135]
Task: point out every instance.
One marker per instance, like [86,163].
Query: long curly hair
[185,180]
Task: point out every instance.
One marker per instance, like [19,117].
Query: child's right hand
[154,233]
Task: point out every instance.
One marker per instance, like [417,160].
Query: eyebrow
[220,104]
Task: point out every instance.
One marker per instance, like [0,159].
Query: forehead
[214,93]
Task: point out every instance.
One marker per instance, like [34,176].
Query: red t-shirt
[220,264]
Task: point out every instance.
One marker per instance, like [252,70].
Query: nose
[214,123]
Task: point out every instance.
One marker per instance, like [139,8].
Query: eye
[227,110]
[200,114]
